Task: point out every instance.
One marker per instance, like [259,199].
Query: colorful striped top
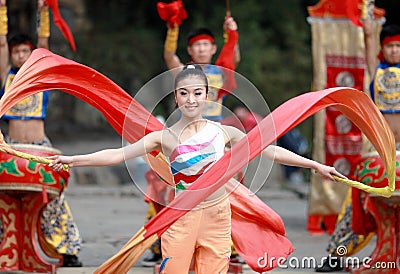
[197,154]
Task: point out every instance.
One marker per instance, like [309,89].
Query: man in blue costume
[26,126]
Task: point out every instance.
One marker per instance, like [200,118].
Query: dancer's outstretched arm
[289,158]
[109,157]
[284,156]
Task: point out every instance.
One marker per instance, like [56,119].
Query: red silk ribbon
[225,60]
[60,23]
[353,11]
[173,13]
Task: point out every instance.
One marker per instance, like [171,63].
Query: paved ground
[109,215]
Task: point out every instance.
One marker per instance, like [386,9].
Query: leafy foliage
[127,38]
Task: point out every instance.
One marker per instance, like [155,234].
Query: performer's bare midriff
[26,131]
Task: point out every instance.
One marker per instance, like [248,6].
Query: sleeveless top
[191,158]
[32,107]
[385,88]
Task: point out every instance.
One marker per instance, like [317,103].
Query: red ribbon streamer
[173,13]
[225,60]
[353,11]
[60,23]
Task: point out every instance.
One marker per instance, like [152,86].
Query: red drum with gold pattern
[18,174]
[370,170]
[25,188]
[385,212]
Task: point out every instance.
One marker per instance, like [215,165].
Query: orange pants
[203,234]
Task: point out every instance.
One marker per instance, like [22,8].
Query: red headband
[201,37]
[24,43]
[388,39]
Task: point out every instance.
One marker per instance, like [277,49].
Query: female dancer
[192,145]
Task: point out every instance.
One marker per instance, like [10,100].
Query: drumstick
[228,9]
[382,191]
[5,148]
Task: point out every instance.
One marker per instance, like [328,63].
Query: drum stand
[19,245]
[385,257]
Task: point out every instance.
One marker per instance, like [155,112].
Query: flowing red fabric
[60,23]
[251,216]
[256,229]
[225,60]
[353,11]
[173,13]
[356,10]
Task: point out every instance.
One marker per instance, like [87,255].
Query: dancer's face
[391,52]
[202,51]
[191,95]
[19,54]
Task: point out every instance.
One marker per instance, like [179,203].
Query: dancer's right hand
[59,161]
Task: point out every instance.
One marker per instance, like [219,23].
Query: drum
[19,176]
[384,211]
[371,171]
[25,188]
